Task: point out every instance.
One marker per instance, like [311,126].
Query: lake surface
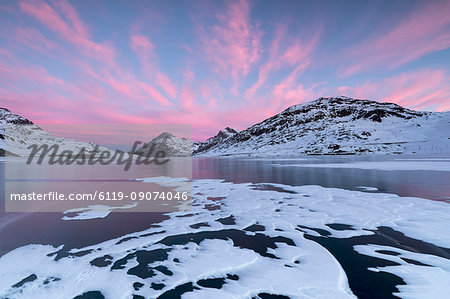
[20,229]
[410,183]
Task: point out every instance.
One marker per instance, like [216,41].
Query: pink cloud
[425,30]
[188,97]
[424,89]
[69,12]
[141,44]
[188,75]
[166,84]
[144,49]
[152,92]
[232,45]
[297,55]
[32,74]
[34,39]
[73,31]
[120,86]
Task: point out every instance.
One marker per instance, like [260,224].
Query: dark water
[19,229]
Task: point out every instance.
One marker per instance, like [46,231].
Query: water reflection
[412,183]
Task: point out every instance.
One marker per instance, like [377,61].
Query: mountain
[17,133]
[172,145]
[214,141]
[340,125]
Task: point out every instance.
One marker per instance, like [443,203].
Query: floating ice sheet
[367,188]
[93,212]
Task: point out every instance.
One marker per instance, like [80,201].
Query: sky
[212,64]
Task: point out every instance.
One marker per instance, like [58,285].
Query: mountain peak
[165,135]
[221,136]
[227,132]
[169,143]
[12,118]
[346,107]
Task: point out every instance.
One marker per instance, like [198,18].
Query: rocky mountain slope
[340,125]
[215,140]
[18,133]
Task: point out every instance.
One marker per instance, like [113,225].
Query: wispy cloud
[63,19]
[423,89]
[232,44]
[144,49]
[424,30]
[284,51]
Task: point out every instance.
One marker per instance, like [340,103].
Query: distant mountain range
[326,126]
[18,133]
[337,126]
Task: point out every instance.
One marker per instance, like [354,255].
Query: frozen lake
[326,227]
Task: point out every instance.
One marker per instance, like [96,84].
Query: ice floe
[93,212]
[366,188]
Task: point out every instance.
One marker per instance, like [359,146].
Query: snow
[366,188]
[94,211]
[421,281]
[317,274]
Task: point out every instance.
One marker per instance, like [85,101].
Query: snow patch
[390,165]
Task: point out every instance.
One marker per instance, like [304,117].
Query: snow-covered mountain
[340,125]
[215,140]
[172,145]
[18,133]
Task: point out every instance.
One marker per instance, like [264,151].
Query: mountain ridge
[222,135]
[26,133]
[339,125]
[328,125]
